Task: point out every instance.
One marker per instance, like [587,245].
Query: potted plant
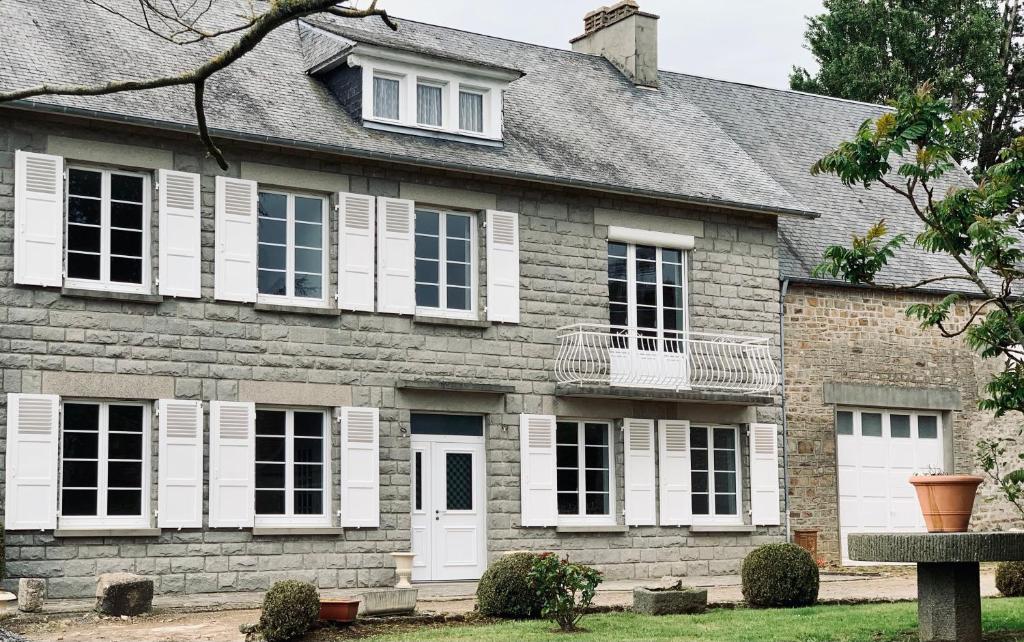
[946,500]
[338,609]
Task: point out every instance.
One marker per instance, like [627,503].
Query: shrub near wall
[780,575]
[1010,579]
[505,589]
[290,608]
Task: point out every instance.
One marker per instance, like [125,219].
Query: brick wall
[862,336]
[207,347]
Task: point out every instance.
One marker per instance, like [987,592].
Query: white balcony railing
[620,356]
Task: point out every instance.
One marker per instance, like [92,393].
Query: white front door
[448,501]
[877,452]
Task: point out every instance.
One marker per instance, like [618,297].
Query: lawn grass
[1003,619]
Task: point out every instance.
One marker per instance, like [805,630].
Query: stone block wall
[206,349]
[862,336]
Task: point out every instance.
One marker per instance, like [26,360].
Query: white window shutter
[537,470]
[234,267]
[638,437]
[356,245]
[38,219]
[232,463]
[502,266]
[360,467]
[396,285]
[764,475]
[33,427]
[674,472]
[180,224]
[180,480]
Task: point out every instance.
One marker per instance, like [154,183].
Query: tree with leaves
[184,23]
[969,50]
[910,151]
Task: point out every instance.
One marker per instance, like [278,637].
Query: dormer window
[429,103]
[386,98]
[471,110]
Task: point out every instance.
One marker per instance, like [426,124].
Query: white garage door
[878,451]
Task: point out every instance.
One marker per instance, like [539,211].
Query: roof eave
[354,152]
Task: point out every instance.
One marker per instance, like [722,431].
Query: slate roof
[572,119]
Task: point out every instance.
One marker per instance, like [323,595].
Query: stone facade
[81,343]
[850,335]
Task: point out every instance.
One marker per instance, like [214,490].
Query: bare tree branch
[253,30]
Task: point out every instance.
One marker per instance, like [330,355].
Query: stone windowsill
[106,532]
[722,528]
[447,385]
[296,309]
[131,297]
[285,531]
[458,323]
[592,529]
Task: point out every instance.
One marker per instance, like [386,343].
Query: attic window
[386,97]
[471,111]
[429,104]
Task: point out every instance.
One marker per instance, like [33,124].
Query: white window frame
[712,518]
[485,107]
[104,284]
[581,518]
[103,432]
[631,302]
[288,519]
[452,79]
[442,269]
[857,423]
[291,299]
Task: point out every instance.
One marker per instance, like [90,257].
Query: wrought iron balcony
[594,354]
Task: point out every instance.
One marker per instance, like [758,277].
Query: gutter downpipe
[783,289]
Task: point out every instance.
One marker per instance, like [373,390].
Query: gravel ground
[7,636]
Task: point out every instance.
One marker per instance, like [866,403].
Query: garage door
[878,451]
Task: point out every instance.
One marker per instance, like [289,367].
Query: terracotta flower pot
[946,500]
[338,609]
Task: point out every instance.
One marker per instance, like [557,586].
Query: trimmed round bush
[290,608]
[506,591]
[780,575]
[1010,578]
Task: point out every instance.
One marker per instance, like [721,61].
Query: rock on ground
[124,594]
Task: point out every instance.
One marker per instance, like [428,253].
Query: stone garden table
[948,578]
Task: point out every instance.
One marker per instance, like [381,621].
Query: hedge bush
[780,575]
[1010,578]
[505,589]
[290,608]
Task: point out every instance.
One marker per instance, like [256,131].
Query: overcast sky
[751,41]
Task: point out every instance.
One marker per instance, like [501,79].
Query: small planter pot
[672,600]
[338,609]
[946,501]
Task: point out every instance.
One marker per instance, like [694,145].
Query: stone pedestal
[949,602]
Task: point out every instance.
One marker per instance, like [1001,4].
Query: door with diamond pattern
[448,517]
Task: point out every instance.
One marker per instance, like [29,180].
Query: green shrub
[780,575]
[505,589]
[290,608]
[1010,578]
[565,589]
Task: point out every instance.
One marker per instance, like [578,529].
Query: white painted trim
[645,237]
[290,247]
[289,519]
[582,518]
[442,266]
[711,518]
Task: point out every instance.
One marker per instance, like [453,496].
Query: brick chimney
[626,36]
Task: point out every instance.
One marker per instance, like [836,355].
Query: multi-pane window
[714,476]
[386,92]
[291,236]
[895,424]
[292,451]
[429,98]
[103,464]
[583,456]
[444,262]
[107,219]
[647,296]
[471,111]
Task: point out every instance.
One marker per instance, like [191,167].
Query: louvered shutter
[537,470]
[232,463]
[235,237]
[764,475]
[180,223]
[33,426]
[356,256]
[180,480]
[638,437]
[38,219]
[360,467]
[502,266]
[674,472]
[396,286]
